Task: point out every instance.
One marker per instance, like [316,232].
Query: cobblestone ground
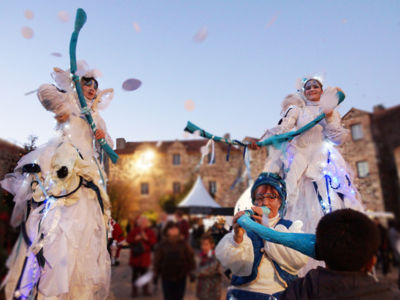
[121,282]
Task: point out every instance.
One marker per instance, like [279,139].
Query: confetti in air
[131,84]
[136,27]
[63,16]
[27,32]
[56,54]
[190,105]
[28,14]
[201,35]
[344,21]
[272,20]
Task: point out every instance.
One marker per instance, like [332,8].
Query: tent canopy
[198,196]
[199,201]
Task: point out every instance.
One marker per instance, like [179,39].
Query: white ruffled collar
[312,103]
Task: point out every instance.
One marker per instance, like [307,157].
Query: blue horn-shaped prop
[79,22]
[302,242]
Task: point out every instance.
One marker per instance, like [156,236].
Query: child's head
[347,240]
[171,231]
[207,243]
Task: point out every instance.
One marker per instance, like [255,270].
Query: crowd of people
[172,251]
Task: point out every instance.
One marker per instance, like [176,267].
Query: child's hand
[99,134]
[238,231]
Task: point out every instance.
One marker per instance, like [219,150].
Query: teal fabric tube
[302,242]
[275,140]
[80,20]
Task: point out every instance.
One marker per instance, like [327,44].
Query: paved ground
[121,282]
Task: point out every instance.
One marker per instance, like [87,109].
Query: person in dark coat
[173,262]
[347,240]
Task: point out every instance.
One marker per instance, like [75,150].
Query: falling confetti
[189,105]
[63,16]
[28,14]
[201,35]
[27,32]
[56,54]
[131,84]
[344,21]
[204,150]
[136,27]
[272,20]
[31,92]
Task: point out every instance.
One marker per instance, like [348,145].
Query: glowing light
[145,161]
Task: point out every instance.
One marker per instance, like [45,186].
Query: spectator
[218,230]
[384,250]
[347,241]
[183,224]
[394,238]
[114,246]
[173,262]
[141,238]
[208,273]
[198,231]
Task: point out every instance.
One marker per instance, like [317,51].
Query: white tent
[198,197]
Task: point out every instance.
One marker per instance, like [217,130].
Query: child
[347,241]
[208,274]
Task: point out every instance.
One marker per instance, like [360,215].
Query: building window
[209,155]
[357,132]
[144,188]
[176,159]
[362,169]
[212,187]
[176,187]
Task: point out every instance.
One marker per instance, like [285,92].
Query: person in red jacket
[141,238]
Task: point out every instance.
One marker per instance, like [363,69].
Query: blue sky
[253,53]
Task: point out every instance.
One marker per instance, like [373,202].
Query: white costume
[239,258]
[317,178]
[69,229]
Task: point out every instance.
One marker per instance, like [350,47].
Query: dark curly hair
[346,240]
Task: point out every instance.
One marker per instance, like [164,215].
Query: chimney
[121,143]
[379,108]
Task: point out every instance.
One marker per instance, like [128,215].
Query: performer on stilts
[61,204]
[317,177]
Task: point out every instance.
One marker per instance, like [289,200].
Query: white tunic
[239,259]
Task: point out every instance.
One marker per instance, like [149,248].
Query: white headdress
[64,81]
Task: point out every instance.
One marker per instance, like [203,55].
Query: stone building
[9,156]
[148,172]
[374,153]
